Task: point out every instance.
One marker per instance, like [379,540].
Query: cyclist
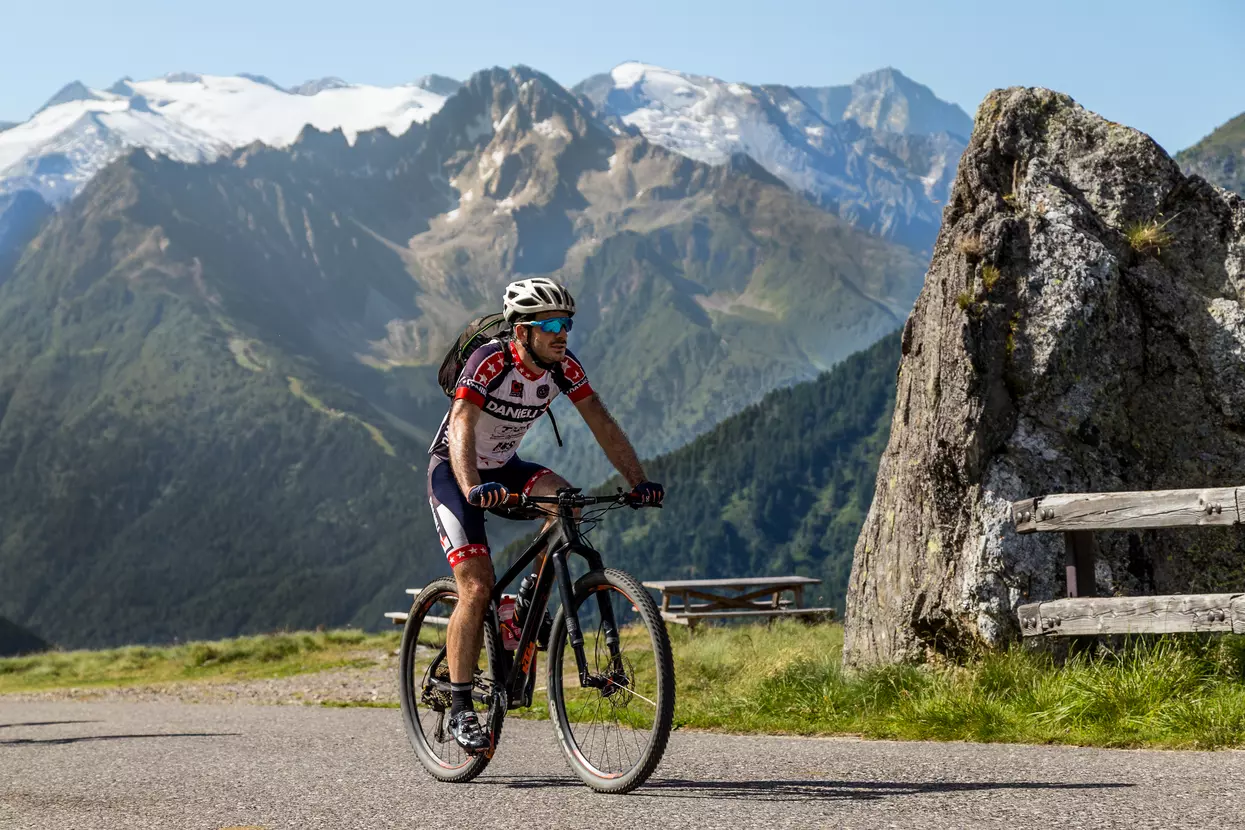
[474,465]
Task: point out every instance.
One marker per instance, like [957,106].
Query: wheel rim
[611,730]
[431,706]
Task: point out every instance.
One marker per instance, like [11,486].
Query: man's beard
[550,356]
[544,355]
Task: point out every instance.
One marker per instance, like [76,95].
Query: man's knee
[549,485]
[475,581]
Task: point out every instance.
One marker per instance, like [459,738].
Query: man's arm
[611,438]
[462,440]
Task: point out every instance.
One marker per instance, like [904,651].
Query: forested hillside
[16,640]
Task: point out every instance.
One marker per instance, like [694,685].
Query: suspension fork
[562,574]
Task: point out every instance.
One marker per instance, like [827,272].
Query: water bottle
[526,588]
[507,621]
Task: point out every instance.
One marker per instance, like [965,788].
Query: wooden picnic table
[741,597]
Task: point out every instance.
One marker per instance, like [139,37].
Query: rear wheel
[613,737]
[424,685]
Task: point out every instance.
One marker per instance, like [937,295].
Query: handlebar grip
[512,500]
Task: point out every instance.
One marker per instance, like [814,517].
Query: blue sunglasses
[552,326]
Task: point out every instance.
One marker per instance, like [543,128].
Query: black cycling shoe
[466,729]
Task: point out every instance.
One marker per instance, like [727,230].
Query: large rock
[1053,350]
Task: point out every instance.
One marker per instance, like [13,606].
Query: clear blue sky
[1174,70]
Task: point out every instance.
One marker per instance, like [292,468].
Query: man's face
[548,346]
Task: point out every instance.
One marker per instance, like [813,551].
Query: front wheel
[613,737]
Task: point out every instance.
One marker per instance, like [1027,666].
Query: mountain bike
[610,674]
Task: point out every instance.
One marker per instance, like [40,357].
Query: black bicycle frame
[560,538]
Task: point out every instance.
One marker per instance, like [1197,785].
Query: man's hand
[489,494]
[648,493]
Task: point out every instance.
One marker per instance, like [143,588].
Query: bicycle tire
[559,651]
[411,688]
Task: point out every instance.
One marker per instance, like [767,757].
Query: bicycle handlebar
[573,499]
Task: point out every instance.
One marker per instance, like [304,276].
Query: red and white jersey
[510,399]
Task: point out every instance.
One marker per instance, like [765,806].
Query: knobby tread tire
[409,687]
[560,651]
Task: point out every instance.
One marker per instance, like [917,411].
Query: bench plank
[1172,614]
[741,582]
[759,612]
[1128,510]
[709,606]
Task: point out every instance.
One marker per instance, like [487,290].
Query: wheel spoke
[612,732]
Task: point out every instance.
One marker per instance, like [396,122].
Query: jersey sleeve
[574,380]
[481,369]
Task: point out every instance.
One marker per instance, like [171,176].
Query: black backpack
[478,332]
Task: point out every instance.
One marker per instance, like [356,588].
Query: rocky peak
[888,100]
[72,91]
[1081,329]
[510,131]
[439,84]
[316,86]
[262,79]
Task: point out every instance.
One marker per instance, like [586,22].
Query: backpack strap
[554,421]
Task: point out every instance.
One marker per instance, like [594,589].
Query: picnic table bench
[743,597]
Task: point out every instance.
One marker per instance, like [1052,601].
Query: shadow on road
[44,723]
[55,741]
[806,790]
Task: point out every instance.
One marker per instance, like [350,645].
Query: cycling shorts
[460,525]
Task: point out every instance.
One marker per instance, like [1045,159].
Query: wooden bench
[400,617]
[1078,515]
[701,599]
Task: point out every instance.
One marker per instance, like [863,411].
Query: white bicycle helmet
[532,296]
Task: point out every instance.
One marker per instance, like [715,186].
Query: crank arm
[476,694]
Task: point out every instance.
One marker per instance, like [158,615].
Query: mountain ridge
[217,380]
[1219,157]
[190,117]
[862,164]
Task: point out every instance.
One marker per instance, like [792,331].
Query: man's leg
[548,484]
[541,481]
[461,528]
[465,633]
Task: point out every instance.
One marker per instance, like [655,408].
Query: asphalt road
[140,765]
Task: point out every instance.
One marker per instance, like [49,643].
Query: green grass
[1179,692]
[271,655]
[1170,693]
[1148,236]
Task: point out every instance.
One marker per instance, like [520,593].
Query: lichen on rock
[1050,353]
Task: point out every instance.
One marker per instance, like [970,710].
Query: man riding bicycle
[504,387]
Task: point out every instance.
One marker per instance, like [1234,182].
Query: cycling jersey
[510,400]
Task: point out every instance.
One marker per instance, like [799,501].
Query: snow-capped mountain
[884,174]
[888,100]
[192,118]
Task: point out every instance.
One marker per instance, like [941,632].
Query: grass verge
[786,678]
[241,658]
